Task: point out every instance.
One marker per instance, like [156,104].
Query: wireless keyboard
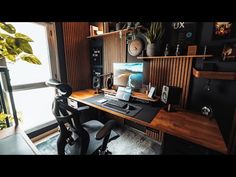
[116,103]
[115,108]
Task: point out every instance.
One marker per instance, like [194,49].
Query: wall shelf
[214,74]
[111,33]
[180,56]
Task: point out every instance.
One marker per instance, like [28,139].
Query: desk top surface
[183,124]
[14,141]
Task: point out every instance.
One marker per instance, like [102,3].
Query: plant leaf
[10,41]
[8,28]
[11,57]
[23,36]
[30,58]
[4,36]
[3,116]
[24,46]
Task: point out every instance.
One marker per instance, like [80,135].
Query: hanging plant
[13,47]
[16,46]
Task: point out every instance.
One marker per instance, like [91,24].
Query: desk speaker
[170,94]
[96,82]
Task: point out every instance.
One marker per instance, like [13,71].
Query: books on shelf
[94,31]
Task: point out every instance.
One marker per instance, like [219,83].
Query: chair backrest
[62,112]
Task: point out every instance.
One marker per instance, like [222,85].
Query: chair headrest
[64,89]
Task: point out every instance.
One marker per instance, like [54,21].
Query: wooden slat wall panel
[76,48]
[114,51]
[173,72]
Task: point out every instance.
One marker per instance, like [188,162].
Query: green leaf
[3,116]
[8,28]
[11,57]
[30,58]
[25,46]
[23,36]
[10,41]
[4,36]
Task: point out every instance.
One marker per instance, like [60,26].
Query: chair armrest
[105,130]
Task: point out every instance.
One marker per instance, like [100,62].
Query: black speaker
[170,94]
[96,82]
[109,82]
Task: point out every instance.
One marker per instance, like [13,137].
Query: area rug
[130,142]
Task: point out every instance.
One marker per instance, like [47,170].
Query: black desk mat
[146,112]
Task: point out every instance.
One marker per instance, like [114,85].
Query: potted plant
[154,36]
[13,47]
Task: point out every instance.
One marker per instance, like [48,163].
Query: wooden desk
[27,148]
[183,124]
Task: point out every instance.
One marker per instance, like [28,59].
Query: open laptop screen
[123,93]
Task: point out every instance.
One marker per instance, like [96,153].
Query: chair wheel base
[105,152]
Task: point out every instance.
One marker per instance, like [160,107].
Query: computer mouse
[129,107]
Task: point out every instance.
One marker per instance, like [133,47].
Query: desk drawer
[155,134]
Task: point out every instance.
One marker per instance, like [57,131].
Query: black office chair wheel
[107,152]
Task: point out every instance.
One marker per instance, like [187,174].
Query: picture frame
[151,92]
[229,52]
[222,30]
[210,38]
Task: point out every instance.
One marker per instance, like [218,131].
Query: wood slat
[173,71]
[114,51]
[76,49]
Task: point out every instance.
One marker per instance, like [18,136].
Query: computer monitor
[128,75]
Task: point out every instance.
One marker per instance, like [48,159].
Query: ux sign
[178,25]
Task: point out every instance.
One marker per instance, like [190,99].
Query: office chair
[75,137]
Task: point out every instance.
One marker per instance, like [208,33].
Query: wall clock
[135,47]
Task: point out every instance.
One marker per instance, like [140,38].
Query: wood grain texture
[114,50]
[83,94]
[214,74]
[173,71]
[177,57]
[192,127]
[76,49]
[184,124]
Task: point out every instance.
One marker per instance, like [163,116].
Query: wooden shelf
[180,56]
[214,74]
[138,95]
[110,33]
[113,32]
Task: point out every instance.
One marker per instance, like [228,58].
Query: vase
[152,49]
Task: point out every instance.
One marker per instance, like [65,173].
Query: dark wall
[61,54]
[222,95]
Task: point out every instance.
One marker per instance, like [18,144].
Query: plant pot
[152,49]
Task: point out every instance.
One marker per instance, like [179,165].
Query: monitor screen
[128,75]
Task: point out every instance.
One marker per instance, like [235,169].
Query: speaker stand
[169,108]
[98,90]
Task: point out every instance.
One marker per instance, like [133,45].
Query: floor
[130,142]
